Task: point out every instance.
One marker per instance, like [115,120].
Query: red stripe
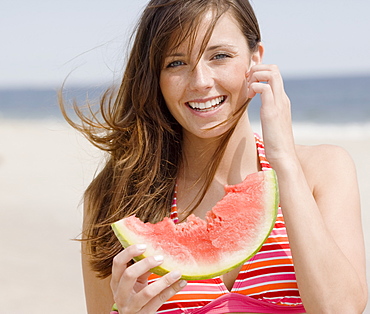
[274,246]
[182,304]
[277,294]
[280,288]
[279,224]
[264,271]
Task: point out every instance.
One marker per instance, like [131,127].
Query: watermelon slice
[234,230]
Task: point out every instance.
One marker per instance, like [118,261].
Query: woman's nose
[200,77]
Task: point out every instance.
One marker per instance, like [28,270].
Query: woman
[179,123]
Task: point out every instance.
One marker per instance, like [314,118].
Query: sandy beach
[44,168]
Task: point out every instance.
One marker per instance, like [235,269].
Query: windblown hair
[142,140]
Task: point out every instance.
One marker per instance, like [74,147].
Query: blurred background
[321,47]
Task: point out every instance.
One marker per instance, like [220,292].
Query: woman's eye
[175,64]
[221,56]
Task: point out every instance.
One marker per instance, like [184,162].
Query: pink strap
[235,302]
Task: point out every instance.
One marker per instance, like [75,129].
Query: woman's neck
[240,157]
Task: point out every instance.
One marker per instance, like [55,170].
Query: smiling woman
[205,89]
[177,131]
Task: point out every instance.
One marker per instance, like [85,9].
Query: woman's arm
[324,229]
[320,202]
[99,297]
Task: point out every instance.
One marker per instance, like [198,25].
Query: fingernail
[182,283]
[158,258]
[141,247]
[175,275]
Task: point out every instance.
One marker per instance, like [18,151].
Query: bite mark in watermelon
[233,232]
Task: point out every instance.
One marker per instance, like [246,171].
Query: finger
[267,96]
[256,68]
[132,274]
[272,78]
[269,74]
[143,279]
[270,109]
[121,260]
[262,77]
[264,67]
[154,288]
[162,291]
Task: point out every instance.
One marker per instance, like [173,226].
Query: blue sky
[44,41]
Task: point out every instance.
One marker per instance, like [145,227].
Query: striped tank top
[265,284]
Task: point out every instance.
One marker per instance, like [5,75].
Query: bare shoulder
[326,165]
[323,154]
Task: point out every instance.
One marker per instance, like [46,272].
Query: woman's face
[204,94]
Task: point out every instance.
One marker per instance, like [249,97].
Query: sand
[44,168]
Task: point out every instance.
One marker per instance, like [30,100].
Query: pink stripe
[279,231]
[288,301]
[272,255]
[272,279]
[191,288]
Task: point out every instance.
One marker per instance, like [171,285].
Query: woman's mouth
[207,105]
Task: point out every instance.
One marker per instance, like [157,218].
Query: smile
[207,105]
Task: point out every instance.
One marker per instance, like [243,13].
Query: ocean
[337,100]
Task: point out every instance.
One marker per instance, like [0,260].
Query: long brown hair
[133,125]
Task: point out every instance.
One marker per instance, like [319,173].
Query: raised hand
[275,113]
[130,287]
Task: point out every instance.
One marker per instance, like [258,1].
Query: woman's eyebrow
[215,47]
[175,54]
[210,48]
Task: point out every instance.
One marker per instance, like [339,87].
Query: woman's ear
[258,55]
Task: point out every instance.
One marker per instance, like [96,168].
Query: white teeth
[208,105]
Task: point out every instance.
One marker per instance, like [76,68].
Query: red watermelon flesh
[234,230]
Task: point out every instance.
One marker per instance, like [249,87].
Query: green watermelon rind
[271,179]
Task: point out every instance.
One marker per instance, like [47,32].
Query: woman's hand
[275,113]
[317,184]
[129,284]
